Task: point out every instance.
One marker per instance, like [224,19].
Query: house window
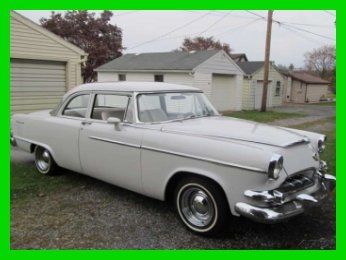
[122,77]
[158,78]
[278,89]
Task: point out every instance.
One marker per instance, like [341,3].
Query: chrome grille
[296,183]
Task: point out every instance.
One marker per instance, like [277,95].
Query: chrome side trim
[113,141]
[204,159]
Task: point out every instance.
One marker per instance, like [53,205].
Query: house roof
[249,67]
[306,77]
[47,33]
[158,61]
[238,56]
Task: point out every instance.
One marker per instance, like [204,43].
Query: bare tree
[321,61]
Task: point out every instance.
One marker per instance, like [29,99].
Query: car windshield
[160,107]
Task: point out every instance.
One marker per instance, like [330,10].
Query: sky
[293,34]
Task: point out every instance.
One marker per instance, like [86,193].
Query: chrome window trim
[67,101]
[95,93]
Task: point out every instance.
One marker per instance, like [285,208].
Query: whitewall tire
[201,205]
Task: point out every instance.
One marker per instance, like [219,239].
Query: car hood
[236,129]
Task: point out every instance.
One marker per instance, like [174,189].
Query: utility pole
[266,61]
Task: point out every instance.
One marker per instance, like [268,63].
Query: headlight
[275,166]
[321,144]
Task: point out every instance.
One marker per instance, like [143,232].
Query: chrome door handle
[86,123]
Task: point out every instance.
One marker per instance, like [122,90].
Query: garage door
[223,94]
[36,85]
[259,93]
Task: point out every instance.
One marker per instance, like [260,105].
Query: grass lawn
[262,117]
[26,182]
[329,155]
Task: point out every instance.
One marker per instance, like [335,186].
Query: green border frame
[7,5]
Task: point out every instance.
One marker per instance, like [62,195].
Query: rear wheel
[44,161]
[201,205]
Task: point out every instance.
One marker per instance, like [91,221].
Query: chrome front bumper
[279,208]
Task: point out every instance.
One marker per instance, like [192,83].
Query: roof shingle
[249,67]
[158,61]
[306,77]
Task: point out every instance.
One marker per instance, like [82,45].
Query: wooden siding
[249,86]
[36,85]
[220,63]
[298,92]
[28,42]
[316,92]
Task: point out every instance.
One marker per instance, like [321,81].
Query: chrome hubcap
[197,207]
[43,160]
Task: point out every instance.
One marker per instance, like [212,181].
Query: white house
[253,85]
[302,87]
[43,66]
[213,71]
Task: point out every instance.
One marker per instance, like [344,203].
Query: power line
[296,28]
[215,23]
[172,31]
[258,15]
[301,35]
[303,30]
[238,27]
[309,24]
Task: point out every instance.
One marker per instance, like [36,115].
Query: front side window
[160,107]
[77,106]
[109,105]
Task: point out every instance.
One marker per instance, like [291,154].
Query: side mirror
[115,121]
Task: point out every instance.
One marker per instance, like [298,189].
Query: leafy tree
[204,43]
[100,39]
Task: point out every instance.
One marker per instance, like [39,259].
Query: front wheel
[201,205]
[44,161]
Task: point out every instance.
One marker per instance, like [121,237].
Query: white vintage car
[168,142]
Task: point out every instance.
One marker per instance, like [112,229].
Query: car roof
[128,86]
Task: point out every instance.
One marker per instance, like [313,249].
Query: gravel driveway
[93,214]
[312,112]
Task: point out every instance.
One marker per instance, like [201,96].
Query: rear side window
[77,106]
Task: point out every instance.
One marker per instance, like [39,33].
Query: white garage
[36,84]
[43,66]
[224,91]
[212,71]
[253,85]
[303,87]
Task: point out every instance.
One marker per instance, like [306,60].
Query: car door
[61,132]
[107,152]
